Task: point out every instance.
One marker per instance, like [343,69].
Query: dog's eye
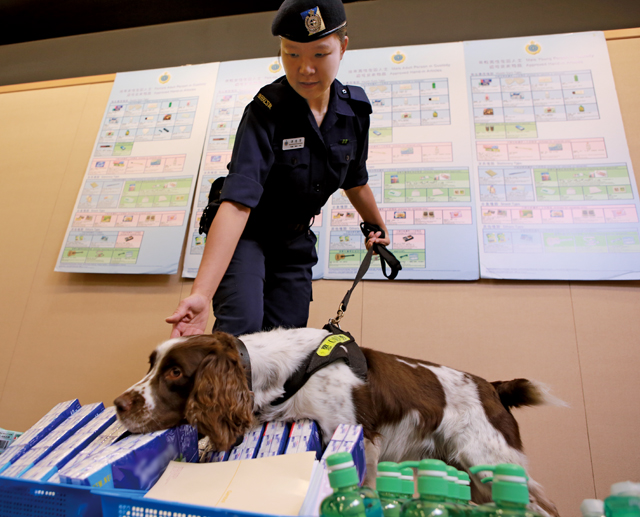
[173,373]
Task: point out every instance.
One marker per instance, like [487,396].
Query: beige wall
[88,335]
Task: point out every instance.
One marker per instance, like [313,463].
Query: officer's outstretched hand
[374,238]
[191,316]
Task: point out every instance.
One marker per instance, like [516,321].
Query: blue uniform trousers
[267,285]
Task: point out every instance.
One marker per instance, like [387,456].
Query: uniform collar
[338,105]
[338,99]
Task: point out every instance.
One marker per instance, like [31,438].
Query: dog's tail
[523,392]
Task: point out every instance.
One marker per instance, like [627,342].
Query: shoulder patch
[358,99]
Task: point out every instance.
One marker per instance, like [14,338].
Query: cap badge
[313,20]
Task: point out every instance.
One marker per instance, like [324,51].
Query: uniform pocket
[340,158]
[291,171]
[293,158]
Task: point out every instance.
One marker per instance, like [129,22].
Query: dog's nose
[123,403]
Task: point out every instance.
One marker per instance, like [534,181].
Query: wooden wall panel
[608,330]
[36,136]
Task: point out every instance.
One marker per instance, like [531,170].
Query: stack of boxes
[38,432]
[88,446]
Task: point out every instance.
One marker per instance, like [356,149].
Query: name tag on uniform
[292,143]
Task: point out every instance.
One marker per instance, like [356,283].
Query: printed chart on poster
[419,156]
[133,207]
[557,197]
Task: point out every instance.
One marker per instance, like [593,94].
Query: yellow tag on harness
[329,343]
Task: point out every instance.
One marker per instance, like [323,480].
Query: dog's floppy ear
[220,404]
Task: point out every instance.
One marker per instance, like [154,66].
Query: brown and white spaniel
[409,409]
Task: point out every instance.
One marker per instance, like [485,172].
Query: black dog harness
[336,346]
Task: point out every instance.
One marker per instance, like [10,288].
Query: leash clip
[336,321]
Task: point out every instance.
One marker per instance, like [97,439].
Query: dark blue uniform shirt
[284,181]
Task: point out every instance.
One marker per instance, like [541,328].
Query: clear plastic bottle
[592,508]
[372,505]
[407,484]
[624,500]
[509,492]
[346,500]
[432,489]
[388,485]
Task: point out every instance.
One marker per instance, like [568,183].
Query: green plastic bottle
[389,486]
[407,485]
[452,478]
[464,492]
[432,489]
[346,500]
[624,500]
[453,497]
[509,492]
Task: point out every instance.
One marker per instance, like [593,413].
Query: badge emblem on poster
[313,20]
[398,57]
[293,143]
[275,67]
[533,48]
[164,78]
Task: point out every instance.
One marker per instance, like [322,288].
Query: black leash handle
[386,258]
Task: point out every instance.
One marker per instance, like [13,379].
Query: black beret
[308,20]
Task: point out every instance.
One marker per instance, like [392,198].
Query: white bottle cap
[625,488]
[592,507]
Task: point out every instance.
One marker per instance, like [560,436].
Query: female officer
[300,139]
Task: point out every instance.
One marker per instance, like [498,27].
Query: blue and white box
[304,436]
[110,435]
[48,466]
[135,462]
[55,438]
[274,440]
[349,438]
[250,445]
[58,414]
[217,457]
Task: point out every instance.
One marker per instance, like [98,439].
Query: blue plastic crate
[117,504]
[21,497]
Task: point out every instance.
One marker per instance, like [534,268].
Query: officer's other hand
[190,317]
[374,238]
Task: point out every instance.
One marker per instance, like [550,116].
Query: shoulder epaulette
[271,95]
[358,99]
